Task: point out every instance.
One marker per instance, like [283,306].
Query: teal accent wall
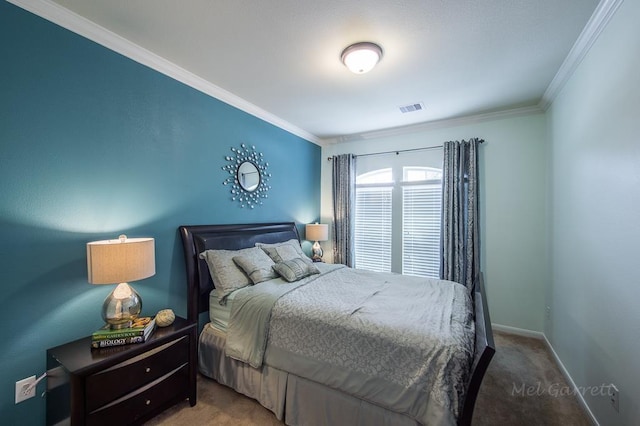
[94,145]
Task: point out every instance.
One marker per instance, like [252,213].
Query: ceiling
[457,57]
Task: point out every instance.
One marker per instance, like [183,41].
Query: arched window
[397,224]
[421,219]
[376,176]
[373,220]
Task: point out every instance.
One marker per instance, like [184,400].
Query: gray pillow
[280,252]
[257,266]
[226,275]
[295,269]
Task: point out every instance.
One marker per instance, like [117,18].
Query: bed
[307,379]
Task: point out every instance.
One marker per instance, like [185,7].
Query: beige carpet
[523,386]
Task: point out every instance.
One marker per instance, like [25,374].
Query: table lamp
[317,232]
[118,262]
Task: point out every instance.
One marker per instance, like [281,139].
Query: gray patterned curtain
[460,244]
[344,178]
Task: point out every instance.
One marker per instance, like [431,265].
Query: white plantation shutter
[421,204]
[372,237]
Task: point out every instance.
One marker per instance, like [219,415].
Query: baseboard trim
[539,335]
[518,331]
[573,385]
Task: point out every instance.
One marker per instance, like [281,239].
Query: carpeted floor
[523,386]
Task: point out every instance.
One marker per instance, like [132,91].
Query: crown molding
[596,24]
[65,18]
[437,124]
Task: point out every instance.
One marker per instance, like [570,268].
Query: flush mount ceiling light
[361,57]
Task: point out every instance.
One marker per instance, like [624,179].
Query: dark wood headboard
[198,238]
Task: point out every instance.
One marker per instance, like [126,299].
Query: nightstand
[122,384]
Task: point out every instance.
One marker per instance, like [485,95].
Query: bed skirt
[294,400]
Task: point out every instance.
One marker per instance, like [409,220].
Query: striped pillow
[295,269]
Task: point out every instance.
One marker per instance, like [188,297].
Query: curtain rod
[398,151]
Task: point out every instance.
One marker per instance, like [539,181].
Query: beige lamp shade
[117,262]
[121,260]
[317,232]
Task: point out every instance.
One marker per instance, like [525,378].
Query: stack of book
[139,332]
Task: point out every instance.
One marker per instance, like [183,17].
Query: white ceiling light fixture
[361,57]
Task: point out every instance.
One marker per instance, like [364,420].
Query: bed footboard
[484,350]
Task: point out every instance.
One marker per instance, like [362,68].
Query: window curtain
[460,244]
[344,178]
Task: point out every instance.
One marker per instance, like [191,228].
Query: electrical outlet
[22,387]
[614,395]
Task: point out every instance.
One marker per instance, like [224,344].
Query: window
[397,225]
[421,208]
[372,236]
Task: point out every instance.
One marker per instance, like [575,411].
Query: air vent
[412,108]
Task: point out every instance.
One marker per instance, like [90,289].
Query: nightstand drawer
[127,385]
[112,383]
[135,405]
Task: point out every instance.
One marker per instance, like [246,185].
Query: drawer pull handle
[148,402]
[148,369]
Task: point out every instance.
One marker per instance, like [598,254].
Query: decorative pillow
[280,252]
[295,269]
[257,265]
[226,275]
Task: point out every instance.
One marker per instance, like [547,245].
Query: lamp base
[121,307]
[317,252]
